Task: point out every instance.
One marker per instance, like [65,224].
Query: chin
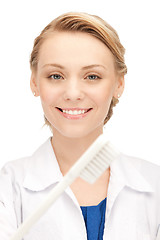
[77,132]
[74,134]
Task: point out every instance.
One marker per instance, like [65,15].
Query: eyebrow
[94,65]
[83,68]
[53,65]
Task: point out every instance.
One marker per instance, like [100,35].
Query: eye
[55,76]
[93,77]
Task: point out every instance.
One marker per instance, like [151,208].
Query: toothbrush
[89,167]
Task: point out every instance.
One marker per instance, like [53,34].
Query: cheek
[47,94]
[103,95]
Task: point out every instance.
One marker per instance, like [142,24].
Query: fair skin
[76,71]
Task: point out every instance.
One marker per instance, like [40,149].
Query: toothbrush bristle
[100,162]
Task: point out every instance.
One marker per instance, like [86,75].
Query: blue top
[94,217]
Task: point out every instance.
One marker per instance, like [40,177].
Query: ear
[119,86]
[33,84]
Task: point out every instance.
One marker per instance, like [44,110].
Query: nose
[73,90]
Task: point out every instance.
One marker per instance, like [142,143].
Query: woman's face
[76,81]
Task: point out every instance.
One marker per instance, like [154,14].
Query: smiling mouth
[74,111]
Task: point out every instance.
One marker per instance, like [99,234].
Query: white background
[134,128]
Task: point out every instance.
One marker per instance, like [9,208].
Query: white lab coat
[133,200]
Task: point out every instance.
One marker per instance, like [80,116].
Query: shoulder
[14,169]
[150,171]
[17,168]
[144,166]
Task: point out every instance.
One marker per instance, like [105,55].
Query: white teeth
[75,112]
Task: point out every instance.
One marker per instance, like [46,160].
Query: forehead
[76,48]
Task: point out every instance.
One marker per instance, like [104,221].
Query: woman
[78,70]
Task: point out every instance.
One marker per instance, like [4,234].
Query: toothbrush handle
[44,206]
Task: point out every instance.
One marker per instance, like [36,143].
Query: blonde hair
[93,25]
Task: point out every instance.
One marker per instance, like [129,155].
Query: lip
[74,117]
[73,109]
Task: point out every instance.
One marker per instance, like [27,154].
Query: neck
[68,150]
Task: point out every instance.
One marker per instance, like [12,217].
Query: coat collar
[127,171]
[43,171]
